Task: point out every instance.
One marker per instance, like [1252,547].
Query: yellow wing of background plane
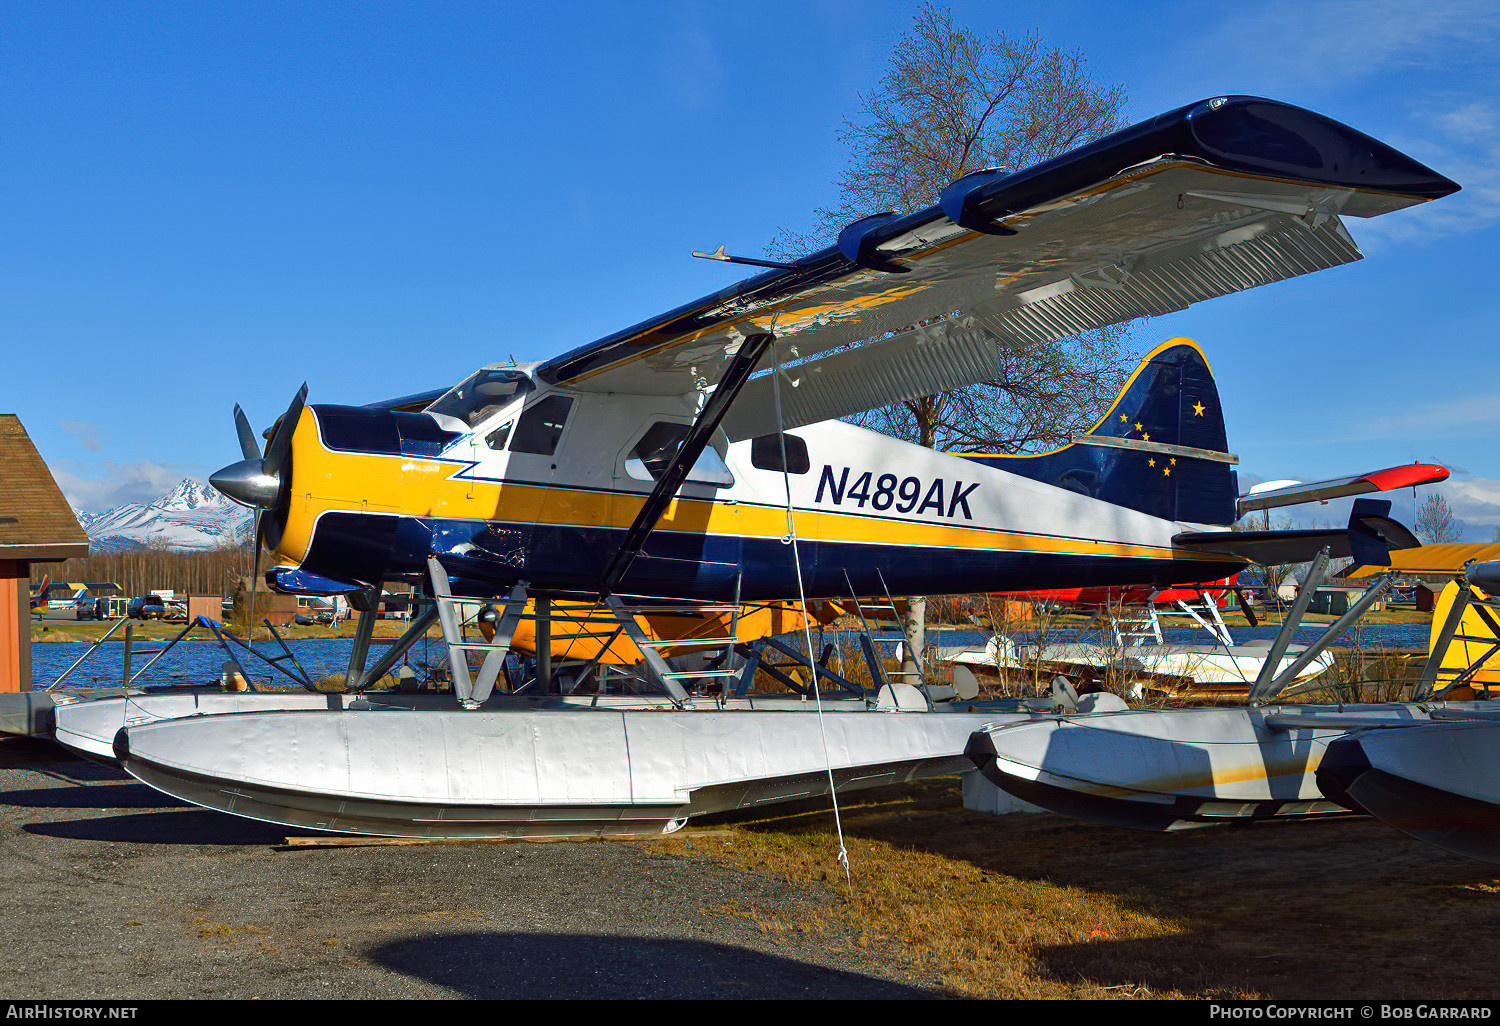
[1473,642]
[1207,200]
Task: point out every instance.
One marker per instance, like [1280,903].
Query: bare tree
[1043,395]
[951,102]
[1435,523]
[1273,576]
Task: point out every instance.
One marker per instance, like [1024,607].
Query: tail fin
[1132,457]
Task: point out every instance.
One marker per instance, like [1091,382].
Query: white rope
[791,539]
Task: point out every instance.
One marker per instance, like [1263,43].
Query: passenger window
[541,425]
[654,452]
[765,454]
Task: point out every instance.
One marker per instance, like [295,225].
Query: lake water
[200,662]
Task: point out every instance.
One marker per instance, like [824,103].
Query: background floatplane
[1130,651]
[1429,767]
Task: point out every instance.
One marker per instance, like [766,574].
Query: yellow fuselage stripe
[325,481]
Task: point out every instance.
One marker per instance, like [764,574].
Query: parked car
[147,607]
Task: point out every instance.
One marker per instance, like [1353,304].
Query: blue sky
[203,204]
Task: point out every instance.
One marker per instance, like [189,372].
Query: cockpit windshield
[482,393]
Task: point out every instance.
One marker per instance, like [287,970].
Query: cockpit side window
[541,426]
[481,394]
[654,452]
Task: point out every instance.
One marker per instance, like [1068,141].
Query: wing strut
[735,377]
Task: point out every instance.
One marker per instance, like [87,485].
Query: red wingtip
[1408,475]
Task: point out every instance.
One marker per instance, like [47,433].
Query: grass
[334,682]
[1043,906]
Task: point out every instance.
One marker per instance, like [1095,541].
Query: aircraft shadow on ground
[100,796]
[1200,963]
[1180,962]
[26,752]
[187,826]
[44,756]
[534,965]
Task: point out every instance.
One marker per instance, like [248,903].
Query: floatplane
[1440,782]
[1132,651]
[39,598]
[1429,767]
[696,460]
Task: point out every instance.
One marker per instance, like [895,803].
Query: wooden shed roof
[36,523]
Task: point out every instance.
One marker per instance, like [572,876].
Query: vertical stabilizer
[1170,403]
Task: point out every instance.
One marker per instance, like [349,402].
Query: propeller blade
[254,579]
[1246,609]
[271,533]
[249,447]
[281,439]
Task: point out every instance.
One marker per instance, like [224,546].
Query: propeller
[258,481]
[1246,608]
[249,447]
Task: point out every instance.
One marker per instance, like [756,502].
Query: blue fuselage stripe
[704,566]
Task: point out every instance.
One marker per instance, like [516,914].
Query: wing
[1210,199]
[408,403]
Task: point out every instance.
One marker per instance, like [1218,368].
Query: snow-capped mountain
[190,516]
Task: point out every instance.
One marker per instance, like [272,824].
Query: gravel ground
[116,891]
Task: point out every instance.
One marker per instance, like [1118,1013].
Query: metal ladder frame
[754,653]
[614,610]
[878,673]
[658,667]
[1124,638]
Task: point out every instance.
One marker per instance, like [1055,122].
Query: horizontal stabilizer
[1268,548]
[1406,476]
[1369,538]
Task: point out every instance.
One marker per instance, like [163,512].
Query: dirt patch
[119,892]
